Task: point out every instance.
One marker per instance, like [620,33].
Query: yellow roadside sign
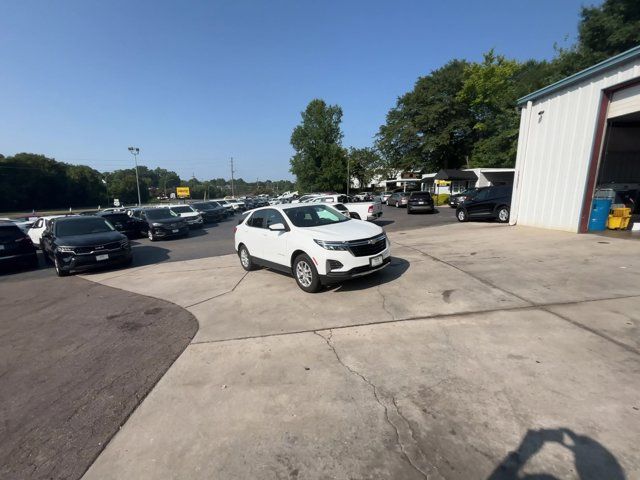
[183,192]
[443,182]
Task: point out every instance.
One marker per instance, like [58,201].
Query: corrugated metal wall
[554,149]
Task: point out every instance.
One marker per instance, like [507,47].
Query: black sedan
[16,248]
[163,223]
[128,225]
[82,243]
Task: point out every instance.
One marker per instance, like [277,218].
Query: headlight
[66,249]
[332,245]
[156,224]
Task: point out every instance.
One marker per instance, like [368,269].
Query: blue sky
[193,83]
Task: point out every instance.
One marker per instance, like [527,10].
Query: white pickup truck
[361,210]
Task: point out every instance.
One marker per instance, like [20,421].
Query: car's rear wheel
[245,259]
[503,214]
[306,274]
[59,271]
[408,209]
[462,215]
[397,204]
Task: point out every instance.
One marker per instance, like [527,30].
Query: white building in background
[579,136]
[460,180]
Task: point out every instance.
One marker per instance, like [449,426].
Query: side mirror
[277,227]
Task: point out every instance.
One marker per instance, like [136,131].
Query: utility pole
[348,177]
[135,151]
[233,194]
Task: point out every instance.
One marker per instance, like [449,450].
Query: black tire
[305,273]
[397,204]
[462,215]
[409,210]
[151,236]
[59,271]
[245,259]
[45,254]
[502,214]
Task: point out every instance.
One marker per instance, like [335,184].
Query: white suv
[315,242]
[190,215]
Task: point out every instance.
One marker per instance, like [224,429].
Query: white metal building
[576,136]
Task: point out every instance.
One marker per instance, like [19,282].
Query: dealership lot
[479,340]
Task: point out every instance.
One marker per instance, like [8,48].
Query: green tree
[320,161]
[491,89]
[364,164]
[430,127]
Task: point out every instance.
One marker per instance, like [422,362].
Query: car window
[273,217]
[39,223]
[314,215]
[85,226]
[424,195]
[257,220]
[183,209]
[481,195]
[159,213]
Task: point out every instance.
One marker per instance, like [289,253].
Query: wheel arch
[294,255]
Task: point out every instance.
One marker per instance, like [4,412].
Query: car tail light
[370,210]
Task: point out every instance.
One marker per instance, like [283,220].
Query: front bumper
[162,232]
[341,276]
[73,262]
[195,222]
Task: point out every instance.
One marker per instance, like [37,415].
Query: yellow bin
[621,212]
[618,223]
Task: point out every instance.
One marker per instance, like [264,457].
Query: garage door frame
[596,153]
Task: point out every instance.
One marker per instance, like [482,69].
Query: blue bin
[599,214]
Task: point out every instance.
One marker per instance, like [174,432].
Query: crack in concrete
[220,294]
[377,397]
[384,302]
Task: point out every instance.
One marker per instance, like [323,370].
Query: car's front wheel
[245,259]
[503,214]
[59,271]
[408,210]
[151,236]
[306,274]
[462,215]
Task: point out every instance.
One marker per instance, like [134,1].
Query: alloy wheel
[304,273]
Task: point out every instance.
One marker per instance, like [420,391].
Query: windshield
[314,216]
[201,206]
[160,213]
[83,226]
[184,209]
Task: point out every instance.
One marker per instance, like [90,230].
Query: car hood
[90,239]
[343,231]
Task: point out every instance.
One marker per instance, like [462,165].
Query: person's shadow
[592,460]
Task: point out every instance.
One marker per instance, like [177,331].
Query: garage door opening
[618,177]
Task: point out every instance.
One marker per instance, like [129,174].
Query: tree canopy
[320,161]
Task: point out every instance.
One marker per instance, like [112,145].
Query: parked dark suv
[16,248]
[82,243]
[420,202]
[488,202]
[162,223]
[125,224]
[457,198]
[209,211]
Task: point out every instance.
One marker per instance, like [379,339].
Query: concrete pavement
[483,351]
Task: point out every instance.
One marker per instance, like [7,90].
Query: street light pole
[348,177]
[135,151]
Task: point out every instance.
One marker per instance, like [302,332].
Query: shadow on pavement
[592,460]
[395,270]
[148,255]
[382,223]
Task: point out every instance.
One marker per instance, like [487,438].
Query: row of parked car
[75,242]
[493,202]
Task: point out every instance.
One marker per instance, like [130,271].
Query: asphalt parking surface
[76,360]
